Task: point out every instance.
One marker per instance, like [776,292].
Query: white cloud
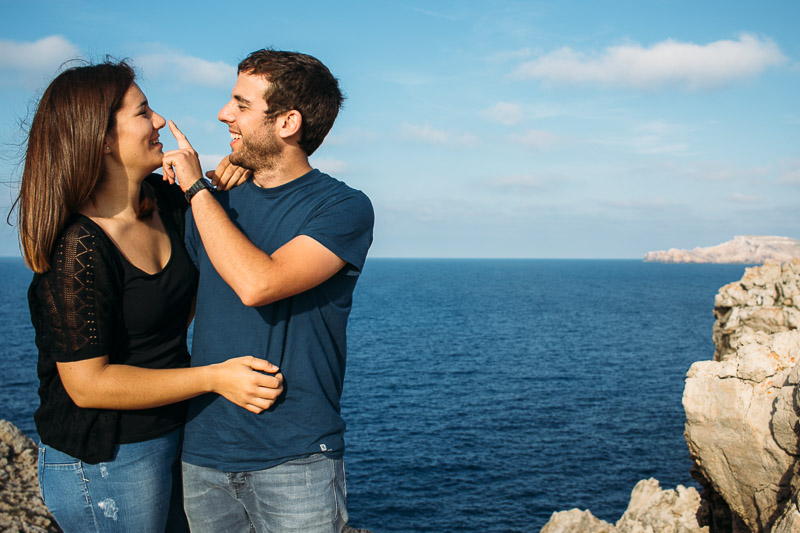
[349,136]
[505,113]
[639,204]
[187,69]
[516,182]
[652,144]
[28,63]
[537,139]
[789,171]
[746,198]
[334,167]
[428,134]
[668,63]
[210,161]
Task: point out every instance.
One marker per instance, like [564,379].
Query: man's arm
[257,277]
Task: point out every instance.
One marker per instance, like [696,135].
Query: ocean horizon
[486,394]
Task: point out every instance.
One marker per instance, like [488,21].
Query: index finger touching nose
[183,142]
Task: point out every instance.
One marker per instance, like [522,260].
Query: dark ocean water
[483,395]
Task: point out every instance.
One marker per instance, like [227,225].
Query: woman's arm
[94,383]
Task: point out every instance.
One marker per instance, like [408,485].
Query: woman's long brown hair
[64,156]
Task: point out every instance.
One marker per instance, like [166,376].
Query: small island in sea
[745,249]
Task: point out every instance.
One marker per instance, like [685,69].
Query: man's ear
[289,123]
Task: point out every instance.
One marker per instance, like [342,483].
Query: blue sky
[481,128]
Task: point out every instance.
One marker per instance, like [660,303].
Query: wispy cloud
[210,161]
[186,69]
[639,204]
[505,113]
[536,139]
[521,183]
[746,198]
[335,167]
[516,182]
[789,172]
[668,63]
[27,63]
[350,136]
[426,133]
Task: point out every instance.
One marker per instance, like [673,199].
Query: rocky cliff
[21,508]
[742,426]
[745,249]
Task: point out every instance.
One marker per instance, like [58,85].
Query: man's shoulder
[338,190]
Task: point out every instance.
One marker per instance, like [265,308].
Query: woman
[110,301]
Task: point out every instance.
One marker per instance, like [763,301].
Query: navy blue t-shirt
[304,335]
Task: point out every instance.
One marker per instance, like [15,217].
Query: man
[279,258]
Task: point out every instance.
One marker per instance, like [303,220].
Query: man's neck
[282,173]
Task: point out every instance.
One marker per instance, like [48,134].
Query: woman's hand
[181,166]
[241,381]
[227,175]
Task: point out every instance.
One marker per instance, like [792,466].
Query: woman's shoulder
[82,243]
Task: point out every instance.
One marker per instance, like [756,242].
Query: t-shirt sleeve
[344,225]
[192,239]
[76,304]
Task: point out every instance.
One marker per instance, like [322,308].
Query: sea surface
[483,395]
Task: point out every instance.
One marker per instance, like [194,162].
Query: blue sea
[483,395]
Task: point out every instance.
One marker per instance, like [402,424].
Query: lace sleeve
[75,305]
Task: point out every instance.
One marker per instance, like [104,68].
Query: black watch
[198,186]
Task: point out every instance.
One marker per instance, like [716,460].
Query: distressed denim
[304,495]
[130,493]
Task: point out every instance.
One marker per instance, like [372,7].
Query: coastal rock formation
[742,422]
[651,509]
[745,249]
[766,299]
[742,408]
[21,508]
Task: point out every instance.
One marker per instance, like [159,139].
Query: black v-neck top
[94,302]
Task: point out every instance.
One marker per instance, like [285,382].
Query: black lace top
[91,303]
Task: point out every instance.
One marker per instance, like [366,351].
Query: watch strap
[196,187]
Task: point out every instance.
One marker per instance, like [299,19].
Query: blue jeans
[130,493]
[305,495]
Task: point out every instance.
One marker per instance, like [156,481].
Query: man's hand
[181,166]
[227,175]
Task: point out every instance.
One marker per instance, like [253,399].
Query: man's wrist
[196,187]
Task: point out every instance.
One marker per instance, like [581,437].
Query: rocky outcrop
[21,508]
[742,422]
[742,408]
[745,249]
[766,299]
[651,510]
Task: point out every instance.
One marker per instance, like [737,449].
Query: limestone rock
[21,508]
[576,520]
[746,249]
[742,408]
[766,299]
[651,510]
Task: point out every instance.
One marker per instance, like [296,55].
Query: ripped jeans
[131,493]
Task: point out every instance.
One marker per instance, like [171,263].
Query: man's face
[254,142]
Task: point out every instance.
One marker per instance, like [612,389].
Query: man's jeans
[304,495]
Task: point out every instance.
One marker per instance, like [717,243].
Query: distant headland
[745,249]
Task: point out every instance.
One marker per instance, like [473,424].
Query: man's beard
[261,154]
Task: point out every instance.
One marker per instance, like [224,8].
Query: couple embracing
[266,263]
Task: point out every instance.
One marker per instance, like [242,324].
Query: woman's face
[133,140]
